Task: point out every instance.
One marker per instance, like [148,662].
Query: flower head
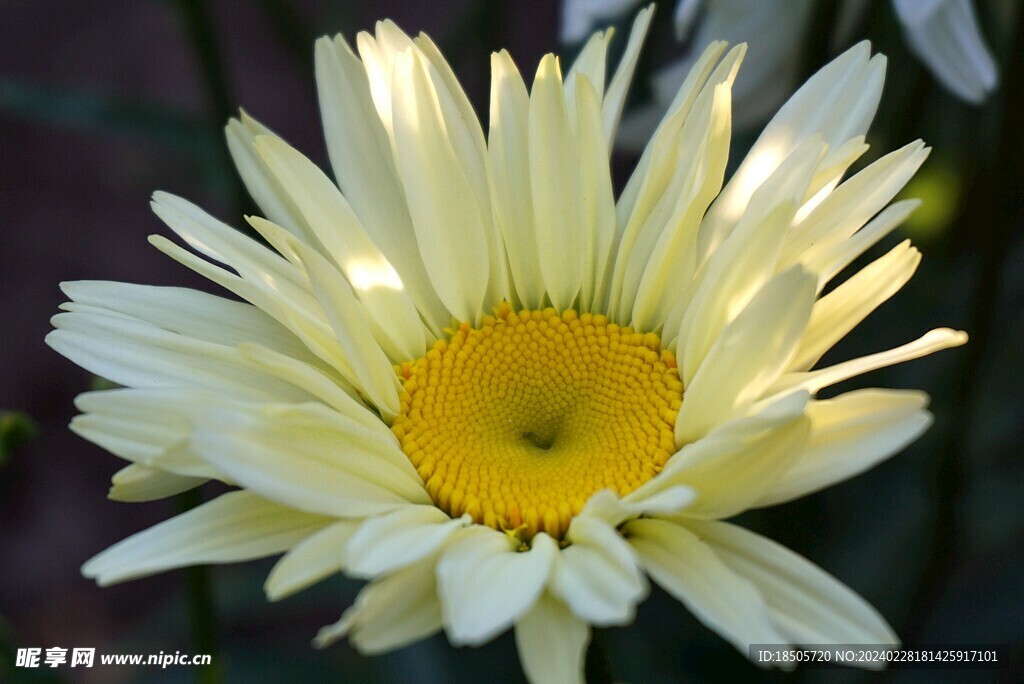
[466,366]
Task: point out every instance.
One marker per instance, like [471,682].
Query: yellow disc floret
[519,421]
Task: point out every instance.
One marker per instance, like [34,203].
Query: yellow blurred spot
[938,187]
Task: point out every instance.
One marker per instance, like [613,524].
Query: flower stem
[598,666]
[202,619]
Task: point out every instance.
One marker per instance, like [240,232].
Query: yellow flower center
[519,421]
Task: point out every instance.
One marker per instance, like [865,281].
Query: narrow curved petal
[665,499]
[364,166]
[555,186]
[808,606]
[233,527]
[597,576]
[552,643]
[186,312]
[136,354]
[596,187]
[731,467]
[373,372]
[389,613]
[615,96]
[748,258]
[302,315]
[224,244]
[849,435]
[486,584]
[718,596]
[509,163]
[832,259]
[449,223]
[852,204]
[665,277]
[275,204]
[321,383]
[150,427]
[137,482]
[837,103]
[842,309]
[813,381]
[389,542]
[310,458]
[751,353]
[379,287]
[660,176]
[316,557]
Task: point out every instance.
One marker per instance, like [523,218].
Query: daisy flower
[470,375]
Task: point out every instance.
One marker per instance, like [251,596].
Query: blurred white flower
[944,34]
[578,16]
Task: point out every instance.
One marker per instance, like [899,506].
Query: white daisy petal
[398,539]
[591,63]
[813,381]
[552,643]
[136,354]
[233,527]
[180,310]
[646,203]
[608,507]
[224,244]
[596,188]
[509,164]
[390,612]
[808,606]
[555,183]
[379,53]
[747,259]
[319,555]
[718,596]
[848,435]
[830,260]
[665,278]
[615,97]
[147,426]
[851,204]
[332,465]
[731,467]
[751,353]
[837,103]
[449,223]
[597,575]
[322,384]
[467,139]
[301,314]
[475,575]
[839,312]
[141,483]
[376,283]
[372,370]
[275,204]
[361,157]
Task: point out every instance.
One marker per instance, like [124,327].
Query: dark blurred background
[103,102]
